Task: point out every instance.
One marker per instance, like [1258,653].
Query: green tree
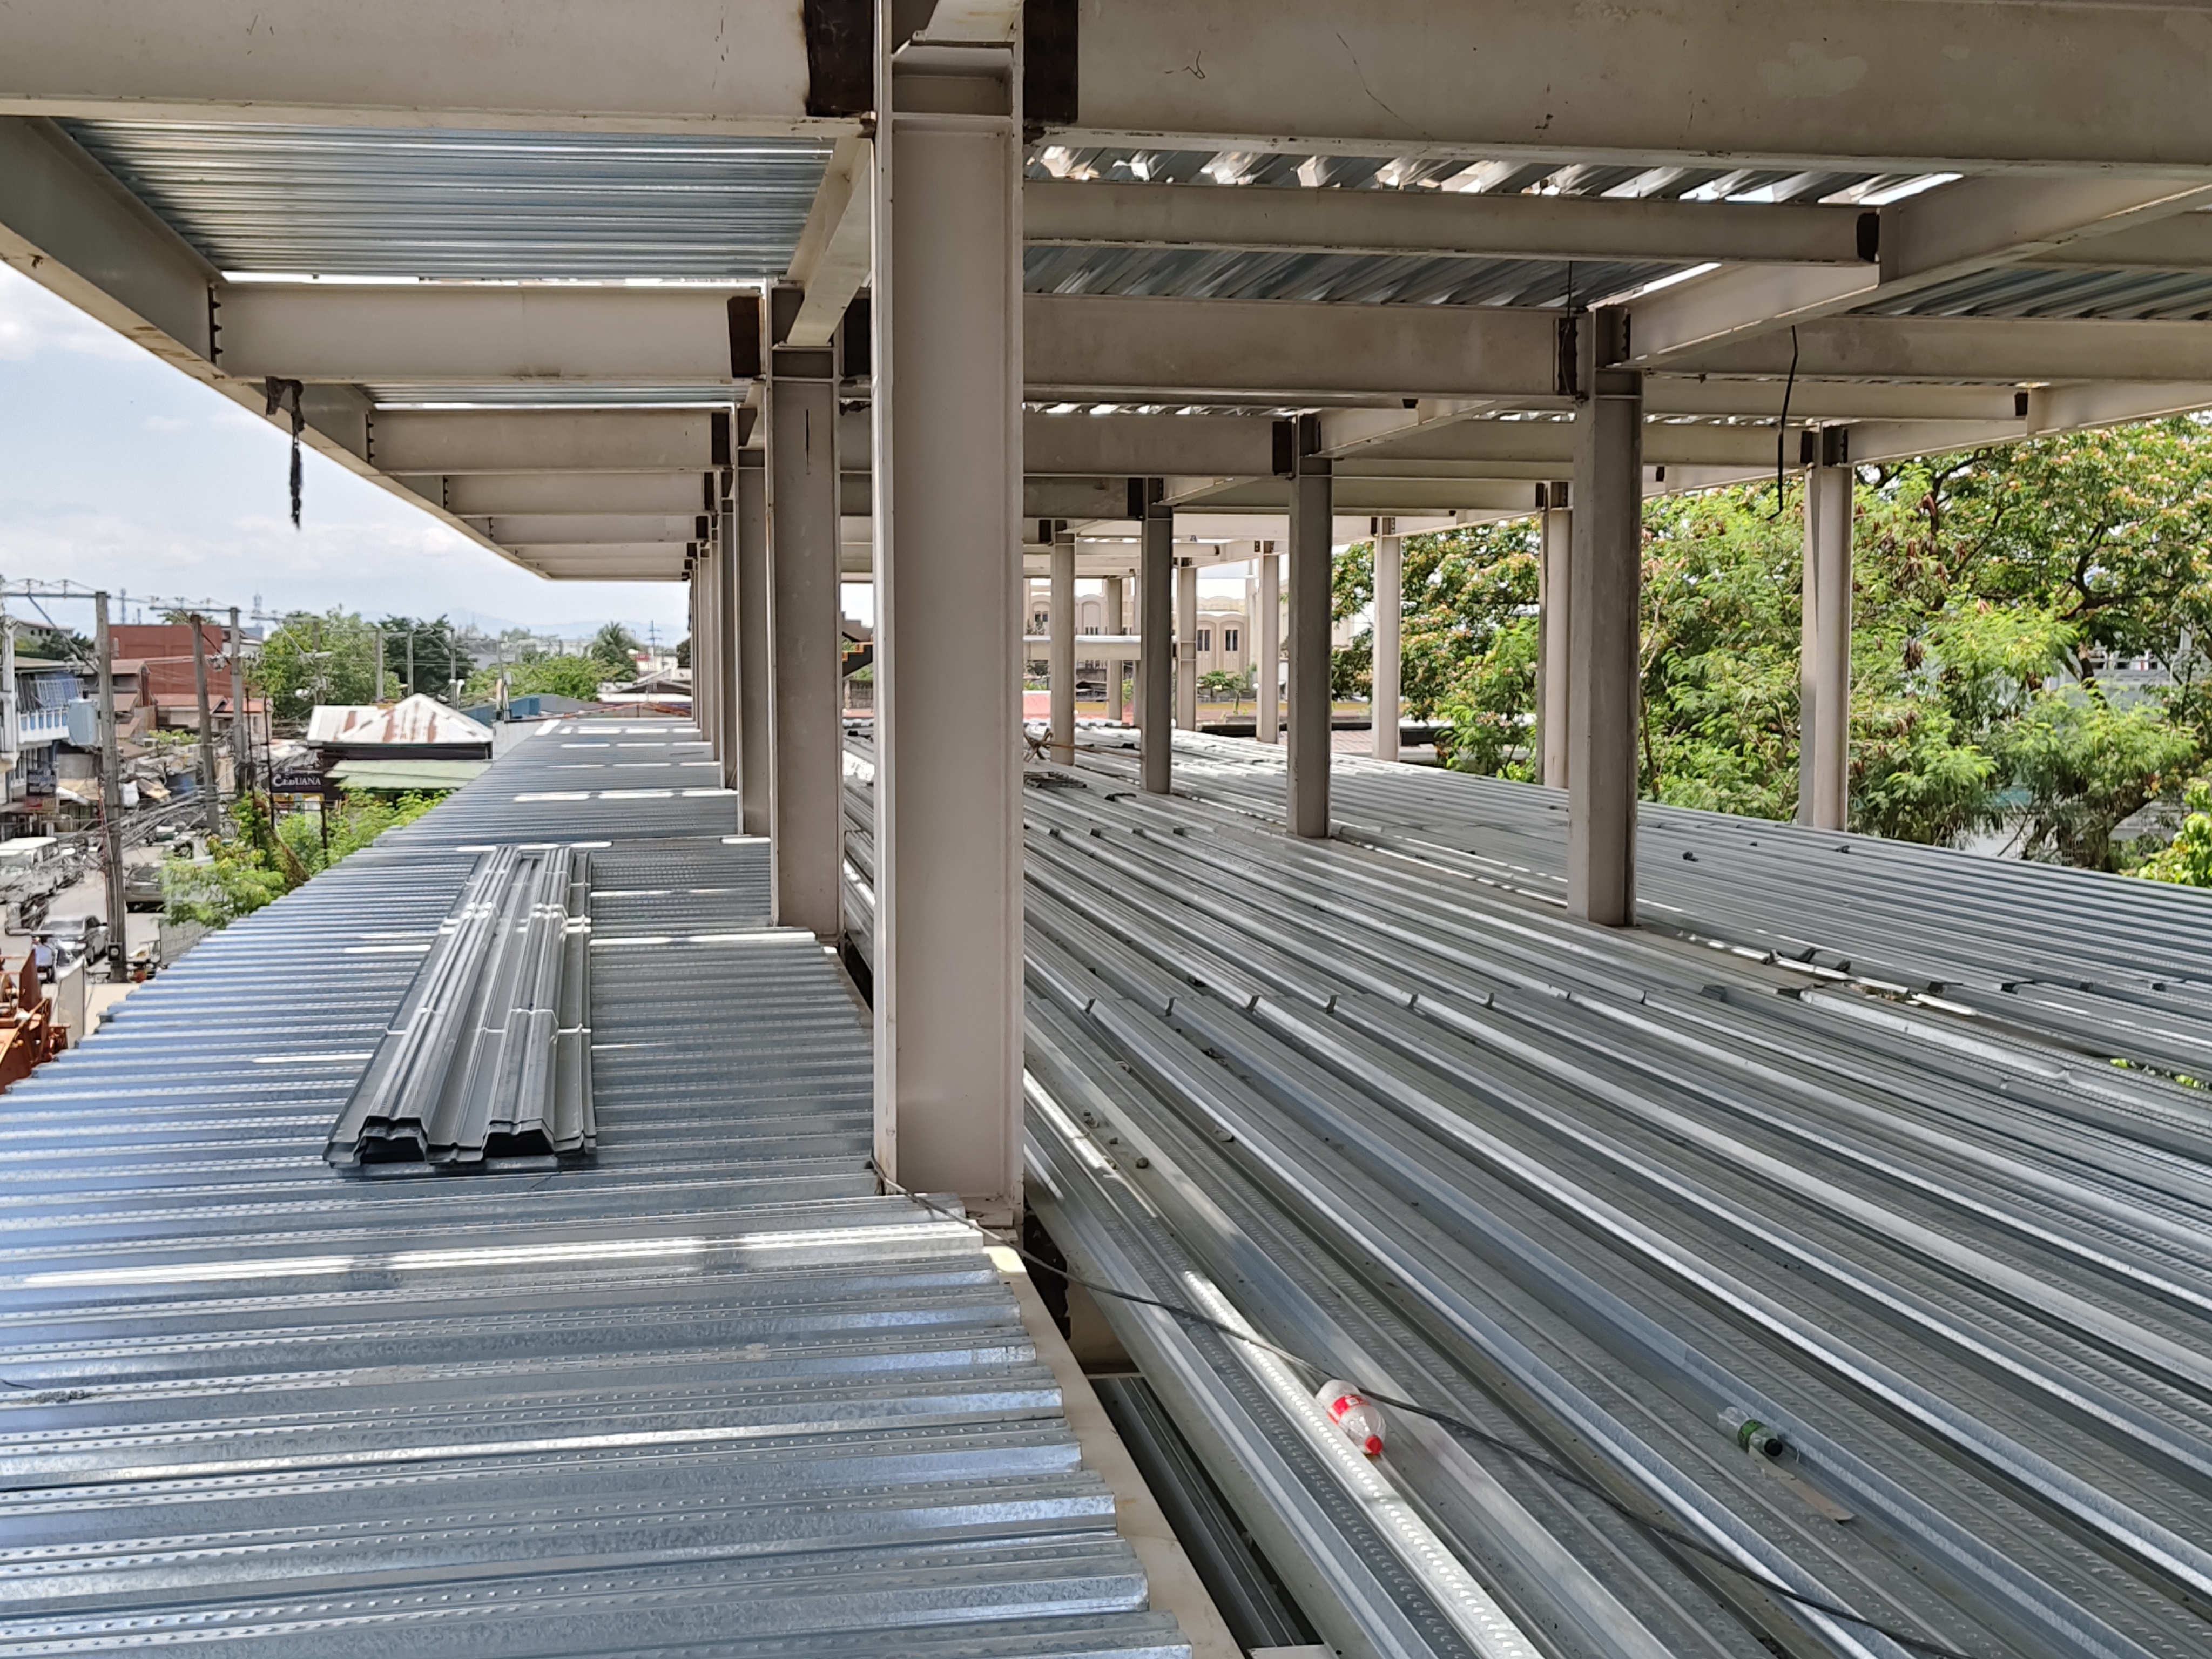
[617,647]
[2188,859]
[1218,683]
[424,654]
[354,821]
[315,659]
[562,676]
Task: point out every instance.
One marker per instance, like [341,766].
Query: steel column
[1267,633]
[1312,504]
[1606,605]
[1156,632]
[1061,645]
[726,630]
[946,417]
[806,812]
[755,772]
[1389,606]
[1555,624]
[1116,621]
[1186,627]
[1825,641]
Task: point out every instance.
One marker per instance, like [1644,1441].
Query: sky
[116,470]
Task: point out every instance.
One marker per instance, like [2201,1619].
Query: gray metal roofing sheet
[423,202]
[706,1394]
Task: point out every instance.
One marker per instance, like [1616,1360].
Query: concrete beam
[1439,224]
[687,66]
[1882,85]
[469,333]
[1197,349]
[485,440]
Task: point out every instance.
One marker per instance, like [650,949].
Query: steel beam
[1869,86]
[473,332]
[455,442]
[695,67]
[1280,348]
[2005,351]
[642,561]
[559,494]
[517,529]
[1146,446]
[1931,239]
[1439,224]
[831,261]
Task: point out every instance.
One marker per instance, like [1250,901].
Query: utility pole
[210,797]
[379,665]
[111,798]
[241,758]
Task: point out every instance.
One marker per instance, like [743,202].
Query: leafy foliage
[311,659]
[2188,860]
[254,866]
[562,676]
[1993,593]
[616,648]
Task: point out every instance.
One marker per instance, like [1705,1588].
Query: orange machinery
[29,1034]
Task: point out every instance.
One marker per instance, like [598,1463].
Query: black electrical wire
[1782,425]
[1460,1427]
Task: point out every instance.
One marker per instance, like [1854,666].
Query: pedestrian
[42,953]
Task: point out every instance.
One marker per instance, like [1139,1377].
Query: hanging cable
[1782,426]
[1459,1426]
[285,395]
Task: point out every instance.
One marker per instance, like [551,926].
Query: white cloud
[32,321]
[166,423]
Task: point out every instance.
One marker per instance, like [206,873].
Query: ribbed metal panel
[706,1396]
[421,202]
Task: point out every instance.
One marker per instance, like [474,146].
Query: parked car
[75,938]
[141,886]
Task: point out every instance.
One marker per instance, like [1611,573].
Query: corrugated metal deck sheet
[421,202]
[708,1395]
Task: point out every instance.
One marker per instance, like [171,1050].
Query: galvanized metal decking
[1606,1195]
[708,1395]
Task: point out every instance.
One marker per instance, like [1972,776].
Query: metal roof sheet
[423,201]
[710,1394]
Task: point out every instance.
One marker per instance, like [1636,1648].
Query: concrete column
[1824,666]
[1313,497]
[946,415]
[1186,626]
[1390,604]
[1555,591]
[1062,644]
[753,776]
[1267,643]
[1607,579]
[805,809]
[1156,631]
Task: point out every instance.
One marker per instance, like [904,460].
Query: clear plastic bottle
[1750,1433]
[1349,1409]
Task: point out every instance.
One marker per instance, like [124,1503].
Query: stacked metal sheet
[489,1060]
[709,1393]
[1608,1199]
